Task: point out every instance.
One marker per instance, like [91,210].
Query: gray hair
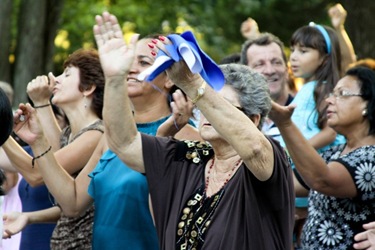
[251,87]
[263,39]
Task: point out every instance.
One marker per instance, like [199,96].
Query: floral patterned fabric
[333,222]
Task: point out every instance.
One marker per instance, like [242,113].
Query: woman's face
[345,106]
[66,88]
[143,60]
[304,62]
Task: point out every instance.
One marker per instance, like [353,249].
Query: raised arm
[247,140]
[177,124]
[70,193]
[338,14]
[330,179]
[116,58]
[39,91]
[73,157]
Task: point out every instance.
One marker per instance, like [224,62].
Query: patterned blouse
[75,233]
[332,222]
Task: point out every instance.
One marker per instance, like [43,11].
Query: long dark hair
[328,73]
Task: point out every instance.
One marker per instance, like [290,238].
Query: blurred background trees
[37,35]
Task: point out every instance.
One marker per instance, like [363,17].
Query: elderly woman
[342,179]
[234,192]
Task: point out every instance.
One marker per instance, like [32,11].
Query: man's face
[268,60]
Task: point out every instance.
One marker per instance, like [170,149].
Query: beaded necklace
[226,180]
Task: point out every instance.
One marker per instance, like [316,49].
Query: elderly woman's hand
[116,57]
[280,115]
[179,72]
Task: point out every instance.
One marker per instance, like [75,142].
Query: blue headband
[325,35]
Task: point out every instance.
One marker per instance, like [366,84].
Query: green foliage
[216,23]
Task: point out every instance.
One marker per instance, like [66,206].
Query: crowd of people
[107,154]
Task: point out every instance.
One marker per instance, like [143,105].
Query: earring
[364,112]
[85,103]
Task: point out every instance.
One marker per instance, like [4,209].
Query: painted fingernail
[154,41]
[162,38]
[151,45]
[153,53]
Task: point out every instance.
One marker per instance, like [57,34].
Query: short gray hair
[252,89]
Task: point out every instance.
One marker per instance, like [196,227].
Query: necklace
[226,180]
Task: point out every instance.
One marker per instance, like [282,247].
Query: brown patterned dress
[74,233]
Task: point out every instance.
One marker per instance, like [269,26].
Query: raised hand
[337,13]
[116,57]
[182,110]
[249,28]
[26,124]
[14,223]
[281,115]
[39,90]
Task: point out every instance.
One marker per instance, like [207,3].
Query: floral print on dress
[332,222]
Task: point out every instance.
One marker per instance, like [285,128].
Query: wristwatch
[200,92]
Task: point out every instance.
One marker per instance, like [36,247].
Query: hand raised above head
[116,57]
[337,13]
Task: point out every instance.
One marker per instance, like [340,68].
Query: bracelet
[200,92]
[42,106]
[37,157]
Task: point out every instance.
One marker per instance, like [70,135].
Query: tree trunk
[5,41]
[37,25]
[30,45]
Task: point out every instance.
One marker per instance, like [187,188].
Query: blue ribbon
[185,47]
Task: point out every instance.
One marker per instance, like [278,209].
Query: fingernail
[154,41]
[162,38]
[150,45]
[153,53]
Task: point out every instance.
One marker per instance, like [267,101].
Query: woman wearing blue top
[122,218]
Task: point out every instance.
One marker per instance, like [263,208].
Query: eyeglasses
[342,94]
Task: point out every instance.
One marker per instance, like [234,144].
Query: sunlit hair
[251,87]
[328,73]
[366,77]
[263,39]
[366,62]
[90,74]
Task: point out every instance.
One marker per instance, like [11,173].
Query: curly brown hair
[90,74]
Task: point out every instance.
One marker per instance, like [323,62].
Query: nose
[330,98]
[292,56]
[268,69]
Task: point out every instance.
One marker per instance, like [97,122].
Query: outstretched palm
[116,57]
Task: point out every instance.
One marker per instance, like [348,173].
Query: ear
[255,119]
[89,91]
